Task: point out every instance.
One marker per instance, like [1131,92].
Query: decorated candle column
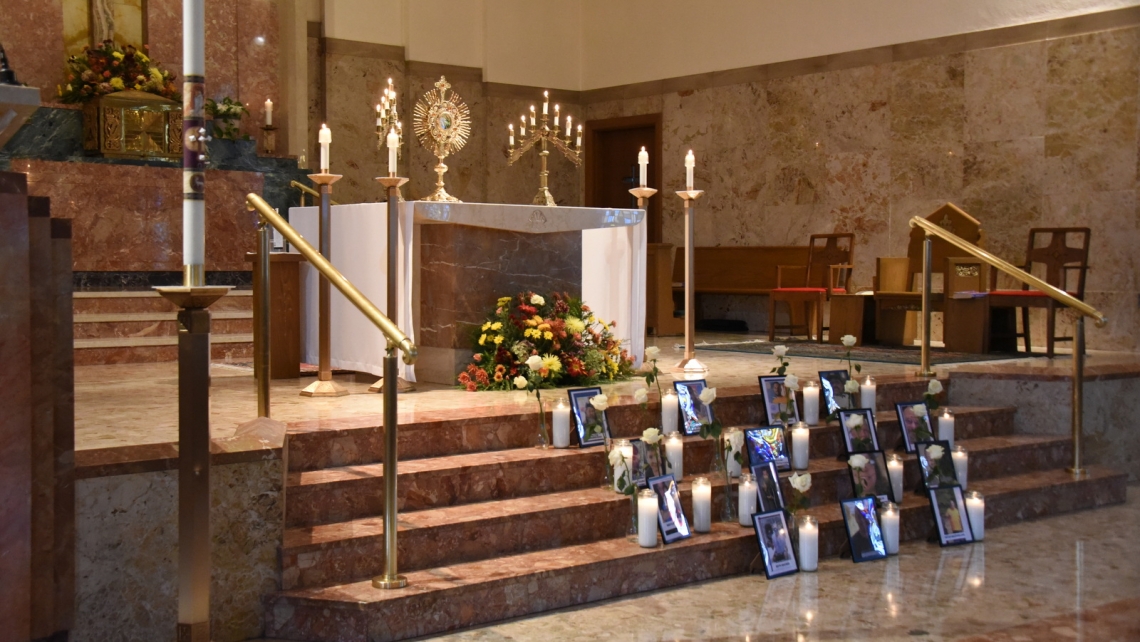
[702,505]
[621,467]
[976,511]
[946,426]
[747,500]
[561,424]
[669,412]
[890,519]
[811,403]
[867,393]
[801,445]
[895,470]
[194,142]
[647,518]
[809,543]
[674,453]
[961,461]
[643,165]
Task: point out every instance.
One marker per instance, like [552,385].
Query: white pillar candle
[669,410]
[702,505]
[643,165]
[867,393]
[976,510]
[579,136]
[809,543]
[811,403]
[532,115]
[557,109]
[801,442]
[325,139]
[674,453]
[946,426]
[379,116]
[561,424]
[568,127]
[545,102]
[895,470]
[268,112]
[747,499]
[961,461]
[647,518]
[522,126]
[690,163]
[730,450]
[511,133]
[393,144]
[890,519]
[622,468]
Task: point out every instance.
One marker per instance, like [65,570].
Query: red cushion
[1022,293]
[836,290]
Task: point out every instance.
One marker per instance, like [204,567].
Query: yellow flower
[482,339]
[544,326]
[531,322]
[551,363]
[141,57]
[117,83]
[155,75]
[575,326]
[486,326]
[118,55]
[498,325]
[504,300]
[498,339]
[548,335]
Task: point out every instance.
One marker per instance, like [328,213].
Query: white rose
[537,300]
[857,461]
[736,440]
[848,341]
[854,421]
[919,410]
[934,453]
[780,351]
[800,481]
[641,395]
[651,436]
[534,362]
[600,402]
[615,457]
[708,395]
[851,387]
[651,353]
[520,382]
[792,382]
[935,387]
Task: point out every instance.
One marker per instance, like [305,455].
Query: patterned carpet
[880,354]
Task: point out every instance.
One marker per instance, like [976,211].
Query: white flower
[919,409]
[934,453]
[792,382]
[851,387]
[520,382]
[708,395]
[857,461]
[736,440]
[615,457]
[780,351]
[848,341]
[651,353]
[537,300]
[641,395]
[534,362]
[600,402]
[800,481]
[935,387]
[853,421]
[651,436]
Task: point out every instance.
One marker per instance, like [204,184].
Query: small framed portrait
[834,396]
[776,399]
[936,464]
[768,487]
[864,532]
[593,429]
[950,516]
[767,444]
[914,421]
[693,411]
[870,478]
[775,543]
[670,515]
[858,428]
[646,463]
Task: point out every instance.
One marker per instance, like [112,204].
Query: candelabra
[541,135]
[387,120]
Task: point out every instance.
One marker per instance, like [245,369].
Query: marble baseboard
[151,354]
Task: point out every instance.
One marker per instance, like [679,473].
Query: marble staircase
[141,327]
[491,528]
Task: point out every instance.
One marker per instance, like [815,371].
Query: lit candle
[747,499]
[675,453]
[811,403]
[669,410]
[733,442]
[976,510]
[809,543]
[801,441]
[621,469]
[325,139]
[568,119]
[268,112]
[511,130]
[867,393]
[556,109]
[561,425]
[522,126]
[532,115]
[545,101]
[393,144]
[379,116]
[890,519]
[643,164]
[961,459]
[579,136]
[690,164]
[647,518]
[702,505]
[895,470]
[946,426]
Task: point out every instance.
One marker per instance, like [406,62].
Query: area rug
[880,354]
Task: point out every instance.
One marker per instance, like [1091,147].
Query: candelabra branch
[543,136]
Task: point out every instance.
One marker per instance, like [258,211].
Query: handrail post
[262,316]
[324,386]
[1078,394]
[927,259]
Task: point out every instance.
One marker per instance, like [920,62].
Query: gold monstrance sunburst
[442,125]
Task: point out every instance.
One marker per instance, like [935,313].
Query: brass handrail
[396,337]
[305,189]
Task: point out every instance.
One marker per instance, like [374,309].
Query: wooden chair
[1059,259]
[830,263]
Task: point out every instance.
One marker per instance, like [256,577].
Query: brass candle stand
[543,135]
[387,119]
[690,364]
[324,386]
[269,140]
[392,188]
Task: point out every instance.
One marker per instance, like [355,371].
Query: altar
[456,259]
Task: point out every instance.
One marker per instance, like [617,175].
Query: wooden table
[285,308]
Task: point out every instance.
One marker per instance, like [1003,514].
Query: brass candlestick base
[327,388]
[690,365]
[386,182]
[269,140]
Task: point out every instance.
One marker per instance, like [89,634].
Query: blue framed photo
[859,432]
[775,543]
[950,516]
[767,444]
[646,463]
[776,399]
[768,491]
[593,428]
[834,396]
[693,411]
[670,514]
[864,532]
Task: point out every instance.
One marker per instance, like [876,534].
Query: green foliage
[226,115]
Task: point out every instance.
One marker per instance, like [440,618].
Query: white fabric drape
[613,281]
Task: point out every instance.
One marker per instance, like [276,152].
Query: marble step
[155,324]
[122,302]
[459,595]
[314,445]
[153,349]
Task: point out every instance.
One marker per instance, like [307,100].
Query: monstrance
[442,125]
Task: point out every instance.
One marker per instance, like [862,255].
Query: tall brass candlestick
[324,386]
[541,135]
[392,188]
[690,363]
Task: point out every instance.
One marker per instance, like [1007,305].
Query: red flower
[464,378]
[106,74]
[471,386]
[478,358]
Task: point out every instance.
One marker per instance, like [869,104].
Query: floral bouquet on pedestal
[108,68]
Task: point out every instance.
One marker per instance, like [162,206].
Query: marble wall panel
[1002,188]
[1005,92]
[32,33]
[257,61]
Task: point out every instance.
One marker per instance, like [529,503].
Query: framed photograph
[767,444]
[950,516]
[869,476]
[914,421]
[670,515]
[768,487]
[858,428]
[834,397]
[936,464]
[775,543]
[693,412]
[864,532]
[646,463]
[593,429]
[776,399]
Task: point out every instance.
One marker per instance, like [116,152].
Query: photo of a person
[775,543]
[858,427]
[670,516]
[768,487]
[592,427]
[693,411]
[863,531]
[834,396]
[950,515]
[646,462]
[767,444]
[776,399]
[914,419]
[869,476]
[936,463]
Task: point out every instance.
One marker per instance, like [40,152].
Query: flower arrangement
[801,484]
[573,346]
[225,115]
[108,68]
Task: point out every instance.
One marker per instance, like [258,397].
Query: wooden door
[611,164]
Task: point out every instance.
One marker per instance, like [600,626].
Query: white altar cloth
[613,268]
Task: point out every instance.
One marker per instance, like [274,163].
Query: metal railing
[305,189]
[1083,310]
